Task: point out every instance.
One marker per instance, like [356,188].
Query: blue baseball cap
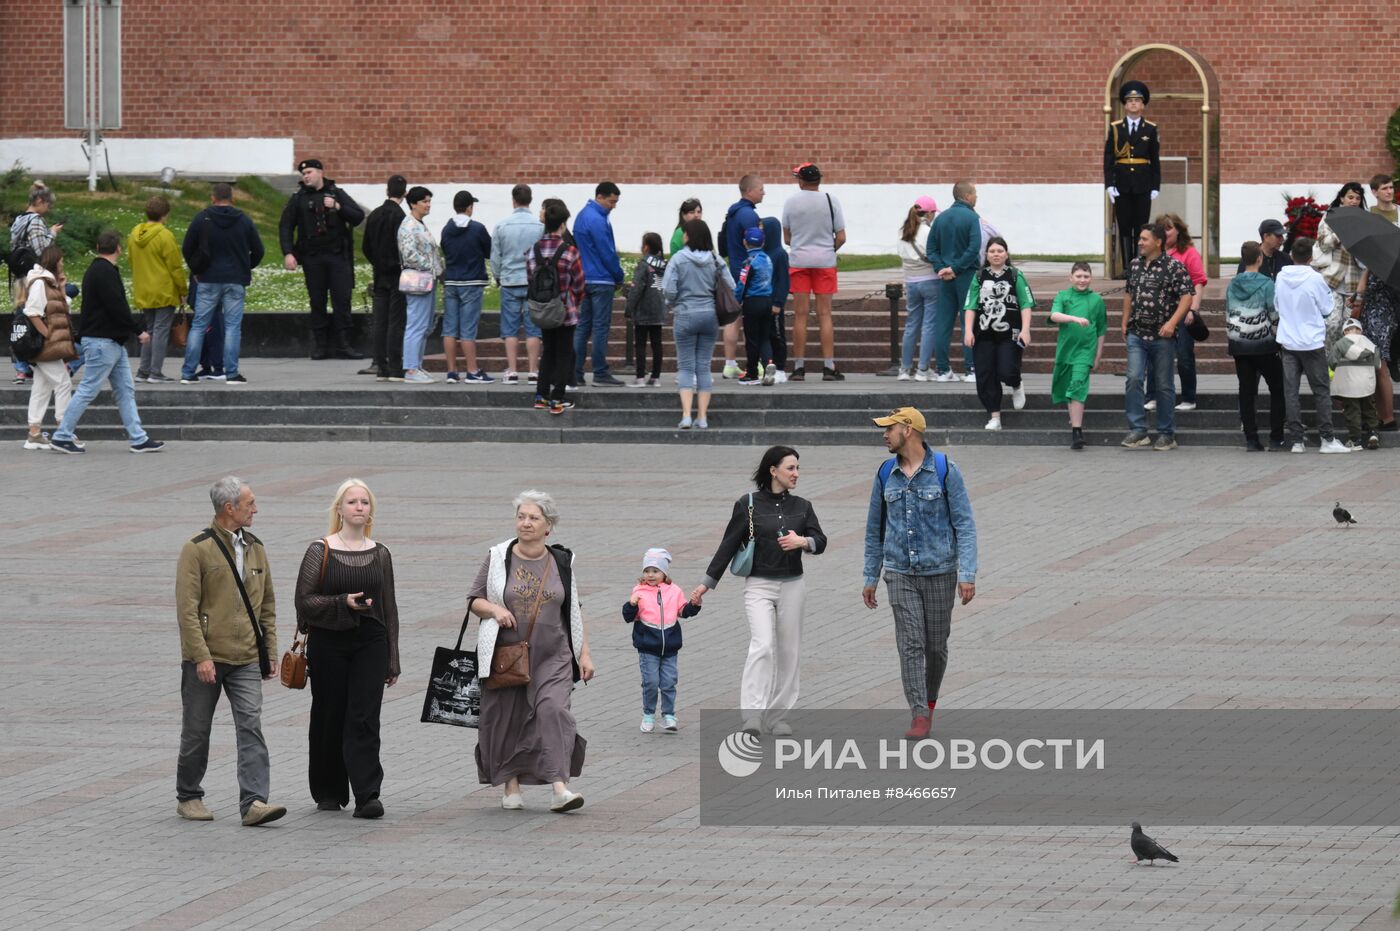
[753,236]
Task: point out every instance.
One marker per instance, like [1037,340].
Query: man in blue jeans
[222,247]
[1157,296]
[107,325]
[602,274]
[515,236]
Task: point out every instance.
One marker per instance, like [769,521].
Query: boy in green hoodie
[1082,319]
[158,284]
[1251,325]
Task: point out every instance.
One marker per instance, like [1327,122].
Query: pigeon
[1341,515]
[1145,848]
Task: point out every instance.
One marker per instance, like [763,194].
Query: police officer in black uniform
[1132,168]
[317,232]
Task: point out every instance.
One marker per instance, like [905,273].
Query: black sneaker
[798,374]
[150,446]
[374,808]
[1277,446]
[606,380]
[831,374]
[1076,438]
[235,380]
[67,447]
[1373,441]
[369,370]
[1252,445]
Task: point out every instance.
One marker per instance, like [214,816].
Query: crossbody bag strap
[831,209]
[539,596]
[263,663]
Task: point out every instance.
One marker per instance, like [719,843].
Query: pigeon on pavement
[1145,848]
[1341,515]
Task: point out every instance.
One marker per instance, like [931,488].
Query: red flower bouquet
[1302,214]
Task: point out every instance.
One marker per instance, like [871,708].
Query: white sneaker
[637,383]
[1150,406]
[904,376]
[1297,448]
[648,723]
[40,441]
[569,801]
[1186,406]
[1018,397]
[513,802]
[770,374]
[921,375]
[945,376]
[993,424]
[970,378]
[779,377]
[1333,445]
[669,723]
[418,377]
[532,378]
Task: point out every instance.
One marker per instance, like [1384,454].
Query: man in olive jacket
[221,648]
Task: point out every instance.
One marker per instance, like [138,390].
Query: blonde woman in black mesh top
[346,607]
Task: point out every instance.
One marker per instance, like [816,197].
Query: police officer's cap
[1134,89]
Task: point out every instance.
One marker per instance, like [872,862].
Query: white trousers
[770,684]
[50,381]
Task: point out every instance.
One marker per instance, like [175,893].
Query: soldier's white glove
[1112,193]
[1154,194]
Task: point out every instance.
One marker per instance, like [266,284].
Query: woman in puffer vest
[46,306]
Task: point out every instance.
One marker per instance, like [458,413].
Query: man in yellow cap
[920,530]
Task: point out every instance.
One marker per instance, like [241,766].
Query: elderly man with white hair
[228,640]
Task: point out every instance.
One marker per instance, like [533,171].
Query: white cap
[656,558]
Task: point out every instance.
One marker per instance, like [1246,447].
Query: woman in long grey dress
[527,733]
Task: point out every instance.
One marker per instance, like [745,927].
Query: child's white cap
[1351,322]
[657,558]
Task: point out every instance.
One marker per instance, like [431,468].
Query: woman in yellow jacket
[157,283]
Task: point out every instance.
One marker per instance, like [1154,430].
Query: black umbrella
[1371,239]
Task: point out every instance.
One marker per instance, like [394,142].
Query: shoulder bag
[414,281]
[510,662]
[294,669]
[727,308]
[264,662]
[742,563]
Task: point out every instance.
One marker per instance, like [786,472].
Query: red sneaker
[918,730]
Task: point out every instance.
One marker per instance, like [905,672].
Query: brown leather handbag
[294,670]
[510,662]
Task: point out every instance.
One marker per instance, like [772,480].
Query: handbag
[1197,327]
[293,671]
[414,281]
[454,690]
[180,329]
[727,308]
[742,563]
[294,668]
[510,662]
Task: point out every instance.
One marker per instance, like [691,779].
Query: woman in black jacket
[783,527]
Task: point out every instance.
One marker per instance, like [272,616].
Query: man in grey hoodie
[1251,323]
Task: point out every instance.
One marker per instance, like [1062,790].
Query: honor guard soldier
[1132,168]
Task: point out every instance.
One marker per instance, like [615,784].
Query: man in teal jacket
[955,250]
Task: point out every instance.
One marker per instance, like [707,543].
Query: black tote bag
[454,691]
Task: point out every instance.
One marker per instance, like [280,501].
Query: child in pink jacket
[655,609]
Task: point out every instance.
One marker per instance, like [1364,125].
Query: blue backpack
[940,466]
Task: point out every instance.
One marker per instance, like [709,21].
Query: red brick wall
[897,91]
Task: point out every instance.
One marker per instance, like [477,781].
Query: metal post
[894,292]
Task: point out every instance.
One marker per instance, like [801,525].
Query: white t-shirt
[813,218]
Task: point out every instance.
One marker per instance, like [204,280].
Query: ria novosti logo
[740,754]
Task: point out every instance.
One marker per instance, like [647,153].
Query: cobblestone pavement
[1107,581]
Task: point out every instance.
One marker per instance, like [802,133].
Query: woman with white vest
[525,591]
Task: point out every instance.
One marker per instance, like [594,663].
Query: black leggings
[556,362]
[996,364]
[758,334]
[651,332]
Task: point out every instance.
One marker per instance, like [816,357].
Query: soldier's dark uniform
[1132,164]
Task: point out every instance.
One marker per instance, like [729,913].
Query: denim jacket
[918,538]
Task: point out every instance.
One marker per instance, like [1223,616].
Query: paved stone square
[1108,580]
